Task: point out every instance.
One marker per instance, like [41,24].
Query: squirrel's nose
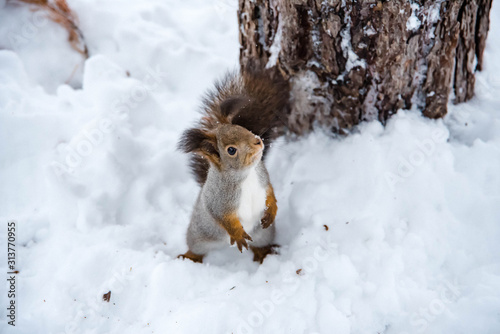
[258,142]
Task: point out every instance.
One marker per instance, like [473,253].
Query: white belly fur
[252,201]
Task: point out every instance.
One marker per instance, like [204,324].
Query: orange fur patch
[260,253]
[192,256]
[271,208]
[232,225]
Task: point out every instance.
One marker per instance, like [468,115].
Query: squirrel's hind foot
[192,256]
[260,253]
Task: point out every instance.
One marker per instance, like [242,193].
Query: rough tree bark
[349,61]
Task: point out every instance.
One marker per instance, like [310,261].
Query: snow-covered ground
[89,171]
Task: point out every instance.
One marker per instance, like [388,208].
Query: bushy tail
[256,101]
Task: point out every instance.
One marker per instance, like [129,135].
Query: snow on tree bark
[349,61]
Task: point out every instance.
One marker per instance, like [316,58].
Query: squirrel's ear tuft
[197,141]
[190,140]
[232,105]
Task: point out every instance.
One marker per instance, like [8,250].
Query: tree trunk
[349,61]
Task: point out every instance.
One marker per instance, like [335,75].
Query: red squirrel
[236,203]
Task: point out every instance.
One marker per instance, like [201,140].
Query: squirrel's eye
[231,150]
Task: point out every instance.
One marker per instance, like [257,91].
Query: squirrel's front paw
[239,238]
[267,220]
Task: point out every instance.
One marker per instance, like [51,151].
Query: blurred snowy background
[392,230]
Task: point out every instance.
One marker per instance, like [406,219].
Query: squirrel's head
[228,147]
